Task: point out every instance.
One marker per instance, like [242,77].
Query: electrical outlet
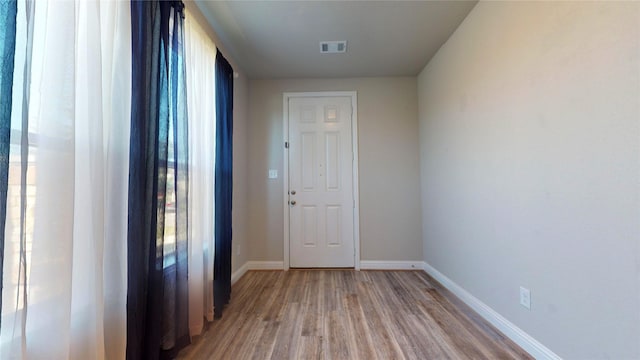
[273,174]
[525,297]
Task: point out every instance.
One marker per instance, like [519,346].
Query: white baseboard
[265,265]
[390,265]
[239,273]
[255,265]
[524,340]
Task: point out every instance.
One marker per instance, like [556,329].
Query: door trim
[285,176]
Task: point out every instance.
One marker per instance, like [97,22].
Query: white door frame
[354,141]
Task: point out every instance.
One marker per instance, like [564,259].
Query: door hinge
[286,144]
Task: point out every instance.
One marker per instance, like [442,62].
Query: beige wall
[388,165]
[240,148]
[530,148]
[240,213]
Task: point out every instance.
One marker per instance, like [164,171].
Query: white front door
[321,202]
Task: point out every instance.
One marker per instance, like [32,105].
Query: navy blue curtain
[157,293]
[8,10]
[223,184]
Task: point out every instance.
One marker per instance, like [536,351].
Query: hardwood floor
[346,314]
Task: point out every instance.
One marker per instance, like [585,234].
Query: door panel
[308,163]
[310,226]
[320,182]
[332,160]
[334,235]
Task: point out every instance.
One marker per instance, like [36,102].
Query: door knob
[292,202]
[293,192]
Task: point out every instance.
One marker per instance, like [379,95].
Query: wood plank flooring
[346,314]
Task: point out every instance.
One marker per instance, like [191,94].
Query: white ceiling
[278,39]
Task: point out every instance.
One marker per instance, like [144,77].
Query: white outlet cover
[273,174]
[525,297]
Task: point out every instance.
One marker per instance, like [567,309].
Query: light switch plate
[525,297]
[273,174]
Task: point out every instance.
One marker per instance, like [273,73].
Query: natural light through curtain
[64,293]
[200,53]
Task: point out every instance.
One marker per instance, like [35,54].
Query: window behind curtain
[200,53]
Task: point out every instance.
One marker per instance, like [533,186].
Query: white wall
[388,165]
[530,149]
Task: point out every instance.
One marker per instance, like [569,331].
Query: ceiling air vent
[333,47]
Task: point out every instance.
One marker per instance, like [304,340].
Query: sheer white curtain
[64,293]
[200,54]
